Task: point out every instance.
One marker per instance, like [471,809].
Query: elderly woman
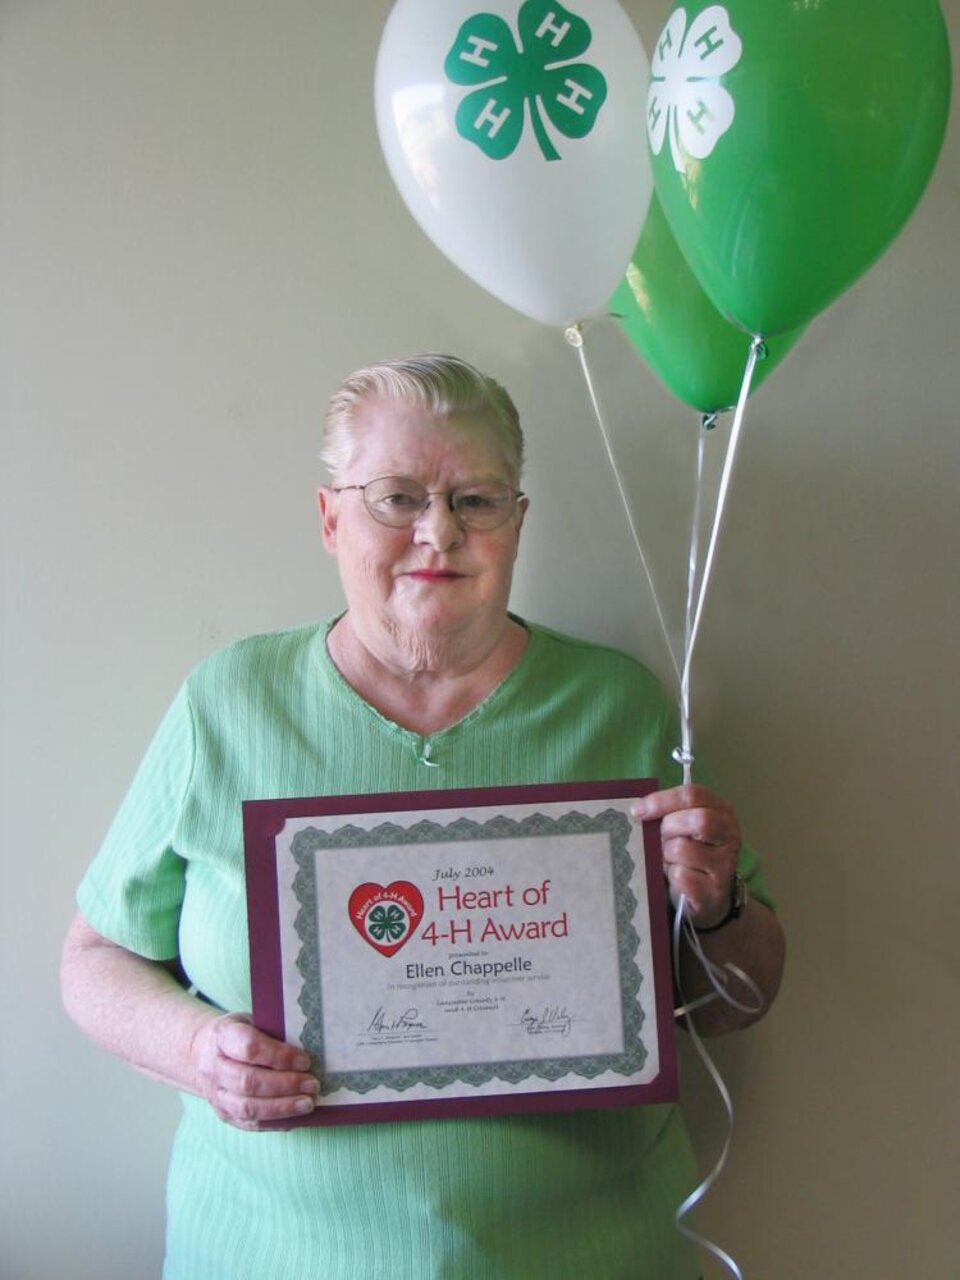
[425,681]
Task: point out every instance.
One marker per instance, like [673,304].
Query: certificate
[467,952]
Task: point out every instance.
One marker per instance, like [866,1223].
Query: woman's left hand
[700,837]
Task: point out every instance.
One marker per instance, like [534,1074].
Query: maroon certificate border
[263,820]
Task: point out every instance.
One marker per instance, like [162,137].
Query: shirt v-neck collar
[421,742]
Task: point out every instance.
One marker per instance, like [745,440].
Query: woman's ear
[328,505]
[517,520]
[522,505]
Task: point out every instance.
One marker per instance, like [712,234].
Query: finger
[688,862]
[706,826]
[707,900]
[681,873]
[689,796]
[718,863]
[245,1080]
[245,1043]
[251,1113]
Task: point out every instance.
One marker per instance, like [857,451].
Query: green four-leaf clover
[387,924]
[540,70]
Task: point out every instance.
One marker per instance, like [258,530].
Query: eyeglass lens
[399,501]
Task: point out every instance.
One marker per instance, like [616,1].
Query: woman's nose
[439,525]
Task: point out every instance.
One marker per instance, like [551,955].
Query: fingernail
[309,1086]
[301,1062]
[303,1105]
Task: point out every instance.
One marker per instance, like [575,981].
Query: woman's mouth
[434,575]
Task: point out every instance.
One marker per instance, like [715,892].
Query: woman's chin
[435,620]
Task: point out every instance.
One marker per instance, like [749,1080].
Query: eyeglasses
[398,501]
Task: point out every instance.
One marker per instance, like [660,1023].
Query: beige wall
[199,238]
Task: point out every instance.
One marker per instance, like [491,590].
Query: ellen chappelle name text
[471,969]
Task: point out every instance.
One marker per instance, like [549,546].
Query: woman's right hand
[137,1009]
[249,1077]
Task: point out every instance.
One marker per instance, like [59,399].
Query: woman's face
[434,581]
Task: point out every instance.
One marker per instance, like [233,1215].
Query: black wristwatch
[738,900]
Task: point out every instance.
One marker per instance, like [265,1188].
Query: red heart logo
[387,918]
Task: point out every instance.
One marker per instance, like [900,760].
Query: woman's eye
[400,501]
[477,502]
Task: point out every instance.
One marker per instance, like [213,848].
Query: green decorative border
[614,823]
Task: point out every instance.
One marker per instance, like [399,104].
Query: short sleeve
[133,890]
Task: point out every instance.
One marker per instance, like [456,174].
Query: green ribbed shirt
[588,1194]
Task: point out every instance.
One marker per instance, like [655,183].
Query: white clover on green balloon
[801,137]
[686,101]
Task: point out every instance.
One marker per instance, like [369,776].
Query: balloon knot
[760,347]
[682,756]
[708,420]
[573,335]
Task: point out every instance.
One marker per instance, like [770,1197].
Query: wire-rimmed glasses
[399,501]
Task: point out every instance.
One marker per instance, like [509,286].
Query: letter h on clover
[540,71]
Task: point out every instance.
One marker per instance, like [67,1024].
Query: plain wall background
[199,238]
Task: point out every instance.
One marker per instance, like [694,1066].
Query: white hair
[441,385]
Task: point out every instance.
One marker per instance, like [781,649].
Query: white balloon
[550,237]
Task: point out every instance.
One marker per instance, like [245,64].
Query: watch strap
[738,900]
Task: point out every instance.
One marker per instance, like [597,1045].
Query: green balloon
[681,335]
[791,141]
